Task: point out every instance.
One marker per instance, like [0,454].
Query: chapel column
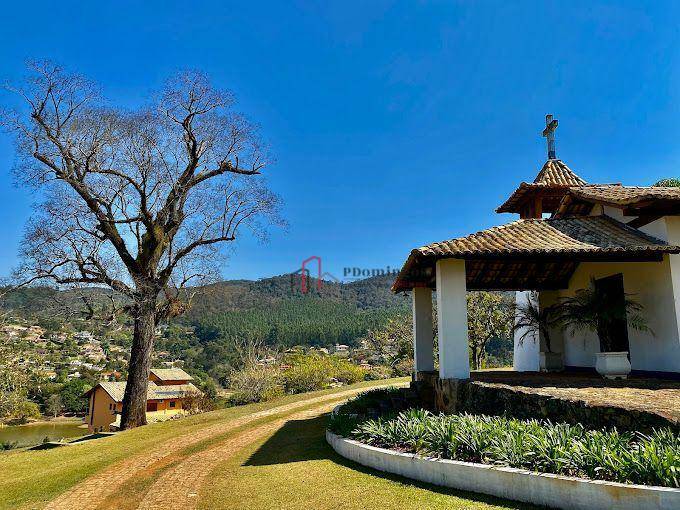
[454,357]
[423,341]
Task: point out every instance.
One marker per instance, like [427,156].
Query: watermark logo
[313,266]
[305,275]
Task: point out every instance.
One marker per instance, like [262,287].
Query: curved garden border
[517,484]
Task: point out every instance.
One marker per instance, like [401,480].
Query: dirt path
[94,491]
[183,483]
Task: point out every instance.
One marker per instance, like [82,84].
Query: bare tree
[142,202]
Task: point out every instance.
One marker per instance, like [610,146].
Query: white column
[673,229]
[526,355]
[423,348]
[454,358]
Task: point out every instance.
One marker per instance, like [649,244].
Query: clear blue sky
[394,124]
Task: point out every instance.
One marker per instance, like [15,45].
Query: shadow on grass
[304,440]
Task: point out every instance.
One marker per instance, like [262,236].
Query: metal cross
[549,134]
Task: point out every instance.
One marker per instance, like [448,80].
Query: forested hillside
[270,311]
[310,321]
[225,296]
[231,295]
[277,314]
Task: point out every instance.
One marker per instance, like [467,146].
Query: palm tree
[593,309]
[533,320]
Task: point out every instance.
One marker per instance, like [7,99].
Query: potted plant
[531,319]
[594,309]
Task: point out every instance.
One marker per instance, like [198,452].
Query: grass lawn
[31,478]
[295,468]
[289,466]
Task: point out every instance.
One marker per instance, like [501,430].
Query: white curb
[550,490]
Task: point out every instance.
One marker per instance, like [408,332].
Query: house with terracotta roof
[168,391]
[569,233]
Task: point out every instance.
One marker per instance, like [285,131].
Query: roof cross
[549,134]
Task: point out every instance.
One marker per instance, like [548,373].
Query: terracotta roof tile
[588,233]
[552,182]
[171,374]
[586,236]
[625,195]
[556,173]
[116,390]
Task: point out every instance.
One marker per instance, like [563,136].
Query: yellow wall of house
[102,411]
[166,406]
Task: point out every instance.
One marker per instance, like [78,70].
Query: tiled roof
[116,390]
[170,391]
[659,200]
[626,195]
[552,183]
[556,173]
[586,237]
[588,233]
[171,374]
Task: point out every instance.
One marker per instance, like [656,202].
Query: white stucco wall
[526,354]
[656,228]
[652,285]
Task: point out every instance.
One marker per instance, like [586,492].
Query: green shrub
[7,445]
[311,372]
[306,376]
[343,424]
[378,372]
[527,444]
[255,384]
[346,372]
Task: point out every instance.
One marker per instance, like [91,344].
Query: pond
[35,433]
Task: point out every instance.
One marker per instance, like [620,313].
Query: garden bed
[606,461]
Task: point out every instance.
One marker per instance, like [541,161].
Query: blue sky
[394,124]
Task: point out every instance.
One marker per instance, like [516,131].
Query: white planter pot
[613,365]
[551,362]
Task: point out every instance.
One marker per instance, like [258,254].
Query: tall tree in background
[490,315]
[139,201]
[672,182]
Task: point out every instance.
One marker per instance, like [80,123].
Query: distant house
[167,392]
[83,336]
[341,350]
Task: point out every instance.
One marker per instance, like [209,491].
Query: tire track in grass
[106,484]
[182,484]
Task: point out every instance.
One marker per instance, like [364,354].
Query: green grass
[31,478]
[294,468]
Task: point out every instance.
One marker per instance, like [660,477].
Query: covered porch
[552,257]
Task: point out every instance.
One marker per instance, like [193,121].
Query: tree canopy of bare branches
[142,201]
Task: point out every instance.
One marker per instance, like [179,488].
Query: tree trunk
[476,355]
[134,401]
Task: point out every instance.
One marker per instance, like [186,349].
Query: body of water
[31,434]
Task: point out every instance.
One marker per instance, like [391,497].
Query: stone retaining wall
[451,395]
